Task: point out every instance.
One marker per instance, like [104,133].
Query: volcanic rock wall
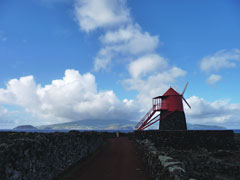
[168,159]
[193,139]
[40,156]
[159,164]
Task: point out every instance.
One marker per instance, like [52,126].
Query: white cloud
[219,113]
[75,97]
[126,41]
[213,79]
[147,64]
[20,92]
[92,14]
[122,37]
[103,60]
[220,60]
[130,40]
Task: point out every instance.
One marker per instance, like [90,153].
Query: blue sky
[59,57]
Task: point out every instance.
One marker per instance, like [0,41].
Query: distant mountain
[94,124]
[114,124]
[25,127]
[204,127]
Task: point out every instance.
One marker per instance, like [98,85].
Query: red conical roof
[171,92]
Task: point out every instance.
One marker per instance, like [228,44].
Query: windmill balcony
[159,105]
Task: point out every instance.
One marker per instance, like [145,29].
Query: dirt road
[116,161]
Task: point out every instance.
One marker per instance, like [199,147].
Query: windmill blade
[185,88]
[186,102]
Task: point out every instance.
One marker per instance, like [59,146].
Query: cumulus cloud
[220,60]
[19,92]
[130,40]
[102,62]
[74,97]
[121,37]
[127,41]
[92,14]
[220,113]
[146,64]
[213,79]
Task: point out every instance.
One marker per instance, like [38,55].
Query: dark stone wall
[167,163]
[158,164]
[41,156]
[208,139]
[174,121]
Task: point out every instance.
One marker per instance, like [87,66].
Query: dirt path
[116,161]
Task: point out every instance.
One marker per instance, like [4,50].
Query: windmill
[170,106]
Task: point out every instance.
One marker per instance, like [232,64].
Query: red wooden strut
[145,124]
[145,118]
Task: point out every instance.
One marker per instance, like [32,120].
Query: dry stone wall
[159,164]
[193,139]
[43,156]
[217,159]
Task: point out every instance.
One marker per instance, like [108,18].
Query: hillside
[25,127]
[114,124]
